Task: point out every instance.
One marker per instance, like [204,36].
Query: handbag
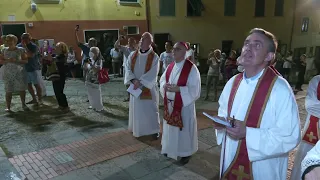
[103,76]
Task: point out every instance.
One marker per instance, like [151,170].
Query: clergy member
[142,72]
[311,131]
[310,166]
[180,86]
[261,107]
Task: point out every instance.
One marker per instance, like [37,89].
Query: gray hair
[95,50]
[273,43]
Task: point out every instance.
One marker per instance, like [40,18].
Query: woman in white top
[94,88]
[287,66]
[166,57]
[71,61]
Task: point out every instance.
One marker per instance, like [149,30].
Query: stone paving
[55,161]
[55,139]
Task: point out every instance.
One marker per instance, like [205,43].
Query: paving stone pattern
[52,162]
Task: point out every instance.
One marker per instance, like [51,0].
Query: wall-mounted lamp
[34,7]
[137,13]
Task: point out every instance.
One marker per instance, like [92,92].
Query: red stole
[240,167]
[175,118]
[312,135]
[146,93]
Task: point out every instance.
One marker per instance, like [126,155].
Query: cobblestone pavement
[42,144]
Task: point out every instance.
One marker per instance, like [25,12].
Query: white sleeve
[129,75]
[312,158]
[162,83]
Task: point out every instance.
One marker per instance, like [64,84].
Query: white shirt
[71,57]
[287,62]
[114,54]
[166,59]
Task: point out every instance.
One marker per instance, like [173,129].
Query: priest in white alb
[311,130]
[263,114]
[180,86]
[310,166]
[142,72]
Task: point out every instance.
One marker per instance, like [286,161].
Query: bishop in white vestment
[180,86]
[261,106]
[142,70]
[311,130]
[310,166]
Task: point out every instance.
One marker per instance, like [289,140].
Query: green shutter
[167,7]
[229,7]
[279,8]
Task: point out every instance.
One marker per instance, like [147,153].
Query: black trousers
[58,87]
[300,80]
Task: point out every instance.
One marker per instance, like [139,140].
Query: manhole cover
[63,157]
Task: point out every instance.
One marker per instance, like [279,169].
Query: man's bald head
[148,35]
[146,41]
[179,51]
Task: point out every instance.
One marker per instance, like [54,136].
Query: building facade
[221,24]
[306,34]
[57,19]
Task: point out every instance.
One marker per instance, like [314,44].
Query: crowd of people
[257,103]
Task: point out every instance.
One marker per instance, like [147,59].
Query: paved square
[51,162]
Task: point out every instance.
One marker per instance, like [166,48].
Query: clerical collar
[144,51]
[257,76]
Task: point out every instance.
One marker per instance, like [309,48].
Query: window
[194,7]
[167,7]
[305,24]
[46,1]
[311,50]
[132,30]
[278,9]
[128,1]
[229,7]
[259,8]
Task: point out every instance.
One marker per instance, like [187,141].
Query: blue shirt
[85,49]
[33,61]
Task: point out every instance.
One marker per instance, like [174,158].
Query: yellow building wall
[213,27]
[71,10]
[310,9]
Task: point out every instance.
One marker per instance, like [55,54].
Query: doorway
[226,46]
[297,52]
[160,40]
[15,29]
[106,39]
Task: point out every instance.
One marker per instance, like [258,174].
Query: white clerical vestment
[279,132]
[311,159]
[144,113]
[312,105]
[176,142]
